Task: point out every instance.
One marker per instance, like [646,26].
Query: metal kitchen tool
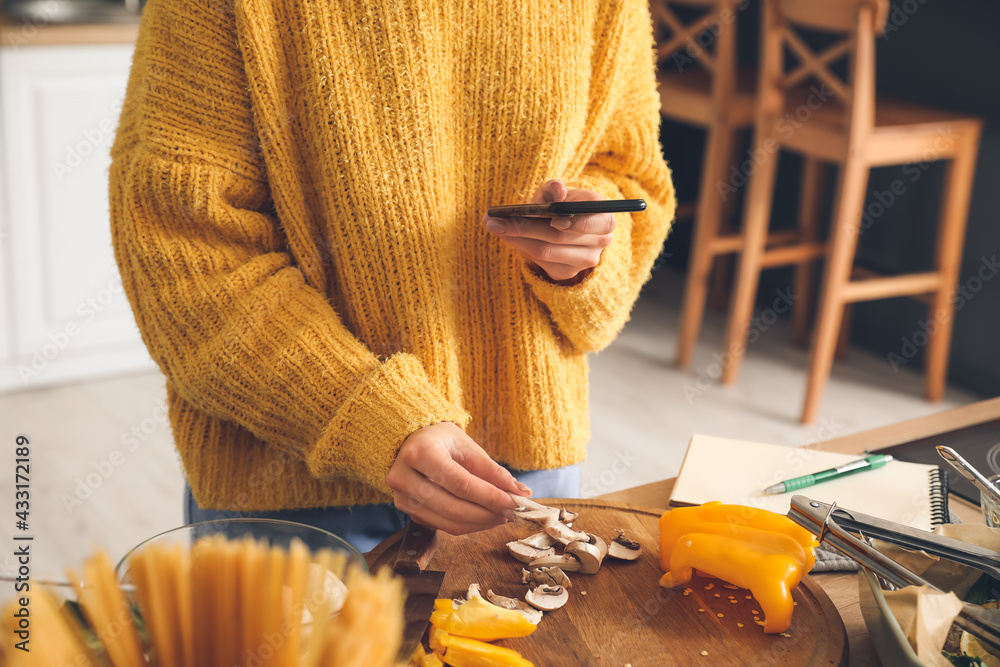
[982,559]
[830,525]
[966,470]
[422,586]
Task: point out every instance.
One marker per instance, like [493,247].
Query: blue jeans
[365,526]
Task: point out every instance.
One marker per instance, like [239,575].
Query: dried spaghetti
[221,603]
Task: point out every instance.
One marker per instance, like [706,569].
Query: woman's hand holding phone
[565,248]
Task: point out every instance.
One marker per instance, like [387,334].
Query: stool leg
[844,334]
[959,174]
[840,258]
[756,216]
[706,229]
[805,274]
[722,269]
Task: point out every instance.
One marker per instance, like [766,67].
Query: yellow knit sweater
[297,190]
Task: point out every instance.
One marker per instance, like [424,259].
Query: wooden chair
[855,131]
[700,85]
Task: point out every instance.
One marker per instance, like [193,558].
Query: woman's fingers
[444,479]
[474,459]
[566,248]
[552,190]
[563,274]
[590,230]
[422,497]
[573,256]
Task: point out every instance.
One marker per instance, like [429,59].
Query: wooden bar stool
[701,85]
[847,126]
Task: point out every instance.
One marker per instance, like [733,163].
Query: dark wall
[939,53]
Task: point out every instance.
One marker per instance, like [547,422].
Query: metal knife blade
[422,586]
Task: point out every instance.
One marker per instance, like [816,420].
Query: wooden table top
[38,33]
[842,587]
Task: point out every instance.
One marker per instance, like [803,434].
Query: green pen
[867,463]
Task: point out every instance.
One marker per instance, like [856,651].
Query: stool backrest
[709,41]
[831,15]
[856,22]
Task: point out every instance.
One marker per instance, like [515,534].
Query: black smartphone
[566,208]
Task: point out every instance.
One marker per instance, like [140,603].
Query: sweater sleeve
[624,161]
[232,321]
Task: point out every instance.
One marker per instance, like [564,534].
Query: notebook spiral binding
[939,497]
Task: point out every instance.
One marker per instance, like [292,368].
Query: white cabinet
[65,316]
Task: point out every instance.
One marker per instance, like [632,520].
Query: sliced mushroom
[526,553]
[622,548]
[529,504]
[601,545]
[589,555]
[533,615]
[564,534]
[566,516]
[539,540]
[565,562]
[549,576]
[547,598]
[549,519]
[536,518]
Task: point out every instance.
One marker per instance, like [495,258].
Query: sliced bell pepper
[770,564]
[431,660]
[434,640]
[479,619]
[683,520]
[421,659]
[465,652]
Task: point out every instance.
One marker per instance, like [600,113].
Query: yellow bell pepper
[465,652]
[479,619]
[421,659]
[434,640]
[683,520]
[769,563]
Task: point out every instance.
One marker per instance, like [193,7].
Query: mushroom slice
[536,518]
[566,516]
[589,555]
[526,553]
[533,615]
[539,540]
[547,598]
[565,562]
[527,503]
[548,575]
[622,548]
[549,518]
[563,533]
[601,545]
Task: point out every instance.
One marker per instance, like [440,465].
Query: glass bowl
[274,532]
[990,507]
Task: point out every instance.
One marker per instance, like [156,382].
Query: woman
[298,194]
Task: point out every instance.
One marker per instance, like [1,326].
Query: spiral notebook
[737,472]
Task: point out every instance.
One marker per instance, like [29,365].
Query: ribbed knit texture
[297,190]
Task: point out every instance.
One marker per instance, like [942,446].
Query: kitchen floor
[104,472]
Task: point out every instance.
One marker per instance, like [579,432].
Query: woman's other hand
[566,249]
[443,479]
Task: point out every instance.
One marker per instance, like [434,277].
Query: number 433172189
[22,481]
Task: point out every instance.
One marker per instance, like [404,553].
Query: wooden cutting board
[625,617]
